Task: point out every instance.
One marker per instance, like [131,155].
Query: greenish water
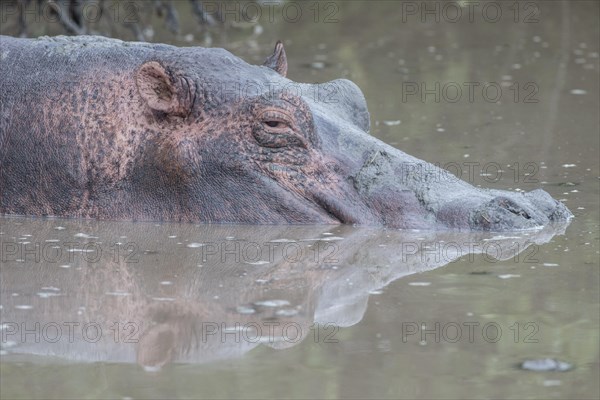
[365,302]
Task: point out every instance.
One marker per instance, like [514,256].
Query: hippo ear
[164,91]
[278,60]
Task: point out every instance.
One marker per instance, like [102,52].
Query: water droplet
[508,276]
[272,303]
[245,310]
[286,312]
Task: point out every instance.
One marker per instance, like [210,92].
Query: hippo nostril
[511,206]
[503,213]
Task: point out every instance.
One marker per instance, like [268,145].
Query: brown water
[185,311]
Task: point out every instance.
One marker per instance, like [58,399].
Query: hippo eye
[276,121]
[277,129]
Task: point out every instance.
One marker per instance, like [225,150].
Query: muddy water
[177,311]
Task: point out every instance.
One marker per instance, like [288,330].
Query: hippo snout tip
[532,210]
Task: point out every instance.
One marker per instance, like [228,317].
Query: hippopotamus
[100,128]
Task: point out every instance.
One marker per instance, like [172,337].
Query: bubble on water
[282,241]
[546,364]
[166,283]
[286,312]
[245,310]
[60,228]
[272,339]
[508,276]
[419,283]
[516,66]
[502,237]
[392,122]
[550,265]
[85,236]
[120,294]
[272,303]
[261,262]
[194,245]
[593,54]
[45,295]
[440,130]
[376,292]
[235,328]
[580,60]
[163,299]
[537,39]
[52,240]
[507,77]
[569,165]
[172,237]
[332,238]
[23,307]
[81,250]
[65,266]
[431,49]
[578,91]
[152,368]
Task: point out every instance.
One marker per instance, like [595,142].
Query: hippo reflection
[100,128]
[195,294]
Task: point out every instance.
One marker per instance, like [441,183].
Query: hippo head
[238,143]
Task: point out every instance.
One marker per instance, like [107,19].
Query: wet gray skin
[155,132]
